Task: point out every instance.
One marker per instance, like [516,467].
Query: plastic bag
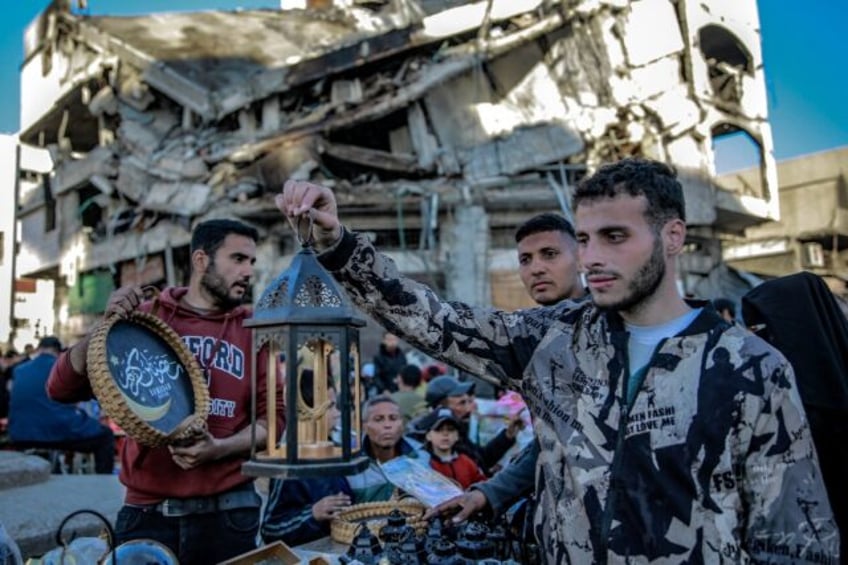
[79,551]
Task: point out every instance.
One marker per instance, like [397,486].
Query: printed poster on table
[421,481]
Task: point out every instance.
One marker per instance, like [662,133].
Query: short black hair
[542,223]
[210,235]
[721,304]
[654,180]
[50,342]
[410,375]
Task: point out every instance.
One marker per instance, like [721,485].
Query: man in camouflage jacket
[700,455]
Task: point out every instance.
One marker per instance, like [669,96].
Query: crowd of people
[663,429]
[33,421]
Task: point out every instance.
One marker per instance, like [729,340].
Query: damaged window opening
[406,240]
[91,212]
[568,173]
[372,153]
[229,123]
[49,206]
[727,60]
[736,150]
[182,265]
[376,136]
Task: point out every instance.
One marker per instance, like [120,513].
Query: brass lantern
[312,334]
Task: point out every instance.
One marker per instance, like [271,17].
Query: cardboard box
[276,553]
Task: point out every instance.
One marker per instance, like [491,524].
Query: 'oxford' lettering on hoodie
[228,357]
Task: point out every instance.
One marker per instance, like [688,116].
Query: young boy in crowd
[442,437]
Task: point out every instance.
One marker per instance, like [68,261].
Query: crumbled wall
[503,116]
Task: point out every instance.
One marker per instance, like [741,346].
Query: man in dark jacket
[8,362]
[300,510]
[617,385]
[547,265]
[388,363]
[37,421]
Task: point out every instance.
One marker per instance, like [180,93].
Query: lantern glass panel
[317,392]
[320,421]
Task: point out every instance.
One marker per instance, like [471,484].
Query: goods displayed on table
[402,543]
[375,516]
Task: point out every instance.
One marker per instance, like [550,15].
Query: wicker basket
[375,515]
[124,411]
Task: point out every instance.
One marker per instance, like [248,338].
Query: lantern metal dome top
[304,293]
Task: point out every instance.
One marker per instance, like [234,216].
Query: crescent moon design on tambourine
[147,413]
[147,376]
[147,380]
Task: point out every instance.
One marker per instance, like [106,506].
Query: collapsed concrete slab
[20,470]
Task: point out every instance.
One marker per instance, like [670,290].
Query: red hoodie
[459,467]
[150,474]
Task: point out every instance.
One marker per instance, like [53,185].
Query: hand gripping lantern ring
[147,380]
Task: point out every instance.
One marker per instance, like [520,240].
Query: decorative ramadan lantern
[312,335]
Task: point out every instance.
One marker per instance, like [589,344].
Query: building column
[467,256]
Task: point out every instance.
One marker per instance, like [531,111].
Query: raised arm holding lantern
[631,464]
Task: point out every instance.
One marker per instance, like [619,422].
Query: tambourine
[147,380]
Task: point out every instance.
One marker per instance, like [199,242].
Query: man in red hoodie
[194,498]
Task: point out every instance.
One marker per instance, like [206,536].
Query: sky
[804,55]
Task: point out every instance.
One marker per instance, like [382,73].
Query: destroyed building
[441,125]
[812,234]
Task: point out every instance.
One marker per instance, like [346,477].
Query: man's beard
[217,287]
[645,282]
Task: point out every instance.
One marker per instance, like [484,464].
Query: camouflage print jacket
[713,462]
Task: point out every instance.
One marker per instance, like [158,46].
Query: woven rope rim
[111,399]
[375,515]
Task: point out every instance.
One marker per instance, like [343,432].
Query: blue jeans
[200,539]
